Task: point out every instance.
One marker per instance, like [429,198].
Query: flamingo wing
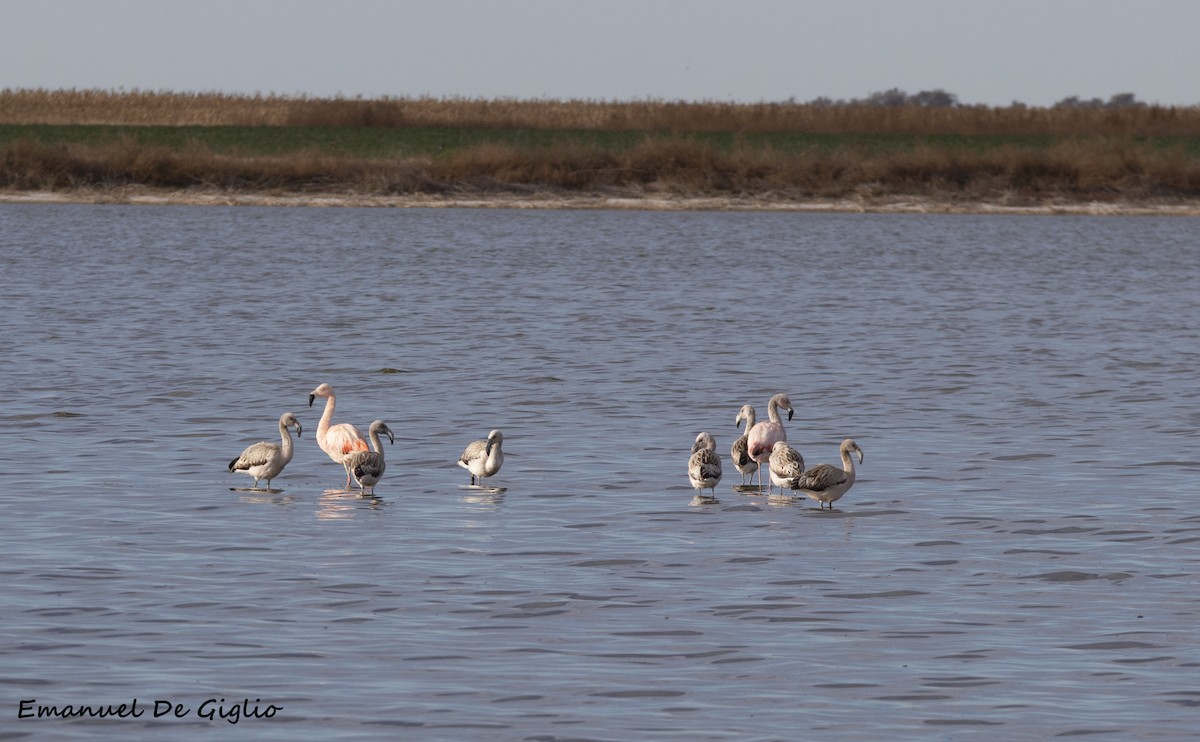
[367,466]
[821,478]
[787,464]
[474,450]
[342,439]
[704,465]
[256,454]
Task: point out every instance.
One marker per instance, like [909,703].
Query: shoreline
[600,201]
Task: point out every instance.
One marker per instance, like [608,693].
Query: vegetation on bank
[56,140]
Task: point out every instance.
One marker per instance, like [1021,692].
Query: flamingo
[265,460]
[826,483]
[785,464]
[737,453]
[704,466]
[367,466]
[335,440]
[483,458]
[762,437]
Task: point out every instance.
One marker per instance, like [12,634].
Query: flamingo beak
[789,415]
[299,430]
[311,397]
[391,438]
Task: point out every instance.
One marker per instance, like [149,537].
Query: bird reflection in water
[338,504]
[479,499]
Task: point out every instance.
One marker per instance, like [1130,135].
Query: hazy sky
[1034,51]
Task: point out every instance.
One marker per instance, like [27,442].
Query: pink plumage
[763,436]
[338,441]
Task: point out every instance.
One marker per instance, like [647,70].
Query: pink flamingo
[763,436]
[338,441]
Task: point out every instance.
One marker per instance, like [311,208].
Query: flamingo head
[745,414]
[849,446]
[379,427]
[703,441]
[289,420]
[781,400]
[322,391]
[495,438]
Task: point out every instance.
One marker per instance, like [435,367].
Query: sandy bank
[888,205]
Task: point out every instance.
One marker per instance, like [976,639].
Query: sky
[986,52]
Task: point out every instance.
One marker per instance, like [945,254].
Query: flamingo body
[826,483]
[739,452]
[785,464]
[704,465]
[337,441]
[483,458]
[762,437]
[265,460]
[367,467]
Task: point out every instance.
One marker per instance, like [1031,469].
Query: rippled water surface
[1019,559]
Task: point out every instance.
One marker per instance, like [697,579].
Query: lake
[1019,558]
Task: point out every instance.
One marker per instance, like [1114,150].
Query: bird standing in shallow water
[265,460]
[338,441]
[483,458]
[704,466]
[763,436]
[738,452]
[826,483]
[785,464]
[367,467]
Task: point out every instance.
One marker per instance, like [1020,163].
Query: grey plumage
[739,452]
[483,458]
[265,460]
[367,467]
[704,465]
[826,483]
[785,464]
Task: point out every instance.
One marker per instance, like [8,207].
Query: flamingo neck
[848,464]
[773,411]
[375,443]
[285,437]
[326,416]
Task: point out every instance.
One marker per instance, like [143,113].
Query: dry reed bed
[1093,170]
[1095,155]
[37,106]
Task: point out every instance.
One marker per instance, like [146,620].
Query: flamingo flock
[344,444]
[763,444]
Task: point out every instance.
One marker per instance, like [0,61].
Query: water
[1019,558]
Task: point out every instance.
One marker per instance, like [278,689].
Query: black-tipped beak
[789,415]
[299,430]
[311,397]
[391,438]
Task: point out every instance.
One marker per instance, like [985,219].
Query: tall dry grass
[39,106]
[1092,170]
